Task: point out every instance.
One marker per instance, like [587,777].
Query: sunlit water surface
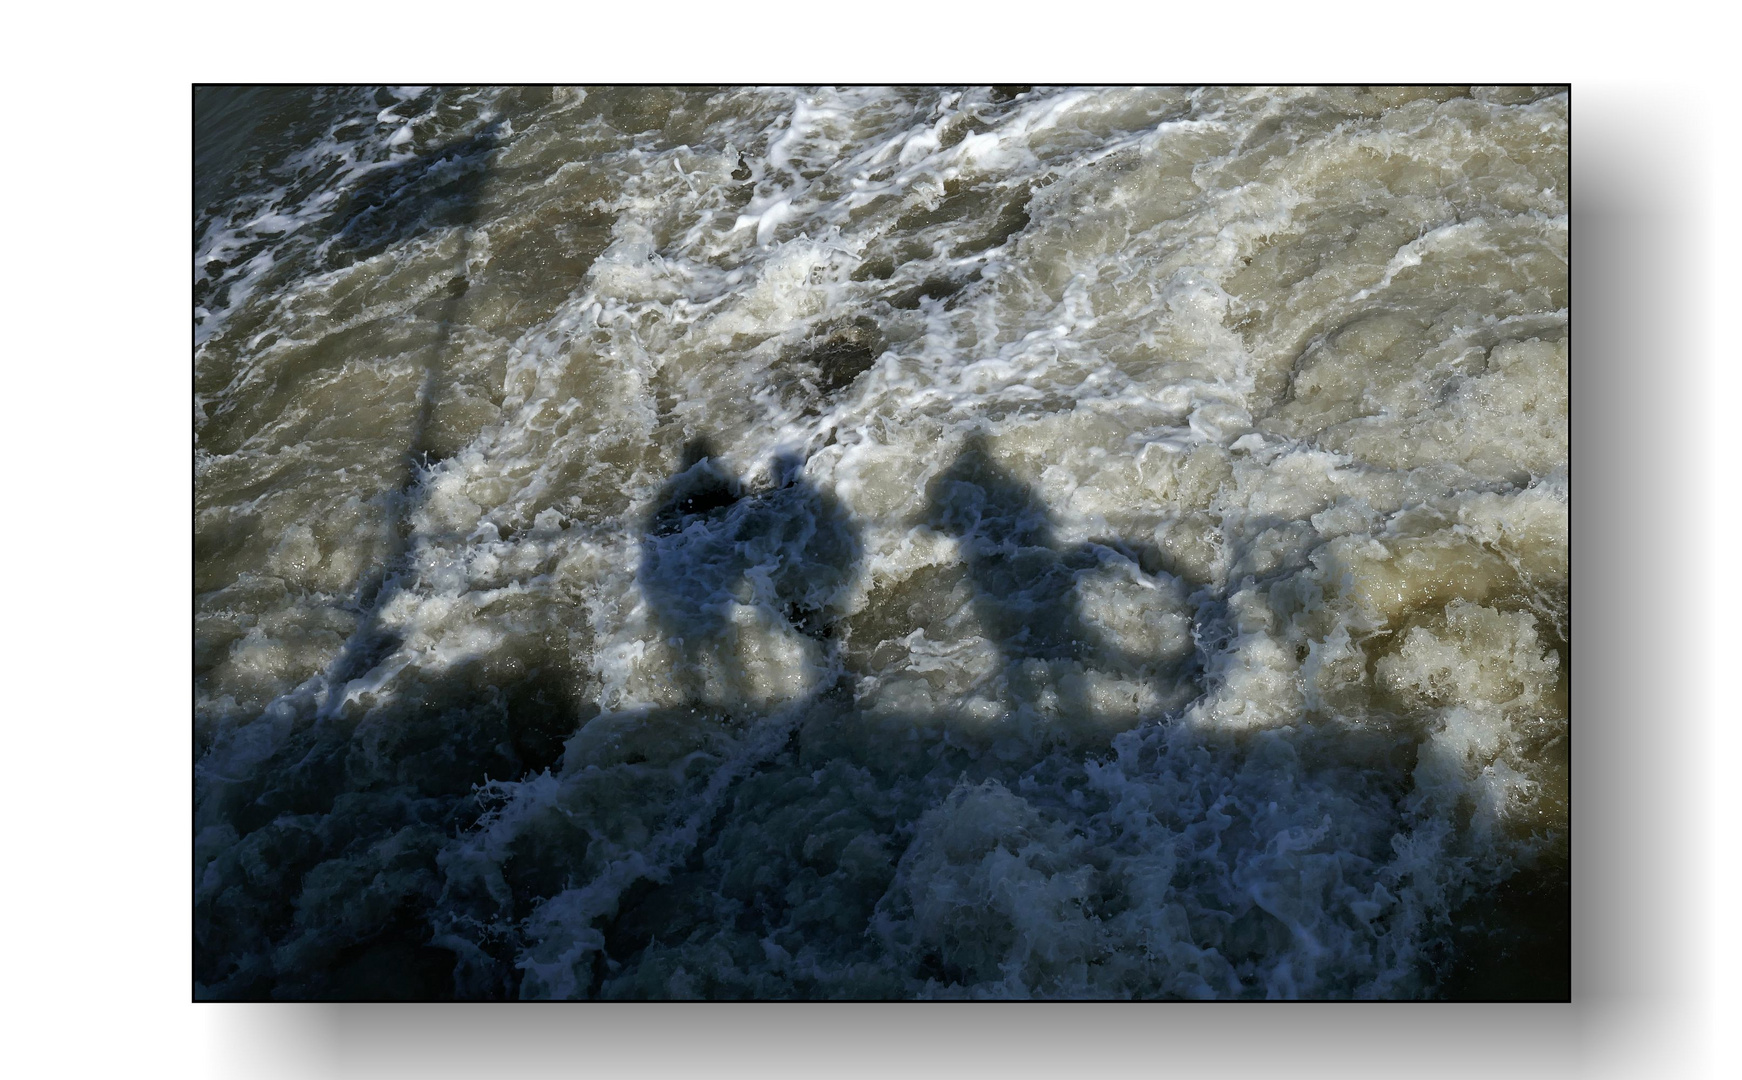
[869,543]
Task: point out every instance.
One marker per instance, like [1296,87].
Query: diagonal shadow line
[440,189]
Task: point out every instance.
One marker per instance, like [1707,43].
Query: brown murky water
[989,542]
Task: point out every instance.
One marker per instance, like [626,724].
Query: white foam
[1301,482]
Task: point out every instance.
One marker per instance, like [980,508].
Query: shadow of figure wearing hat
[741,580]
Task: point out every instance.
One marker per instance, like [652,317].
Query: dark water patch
[929,597]
[1514,942]
[932,288]
[544,262]
[837,354]
[240,131]
[650,912]
[436,189]
[962,204]
[799,858]
[397,965]
[332,881]
[875,268]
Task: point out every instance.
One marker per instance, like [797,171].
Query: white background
[95,540]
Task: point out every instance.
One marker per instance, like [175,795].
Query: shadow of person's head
[981,503]
[701,486]
[737,575]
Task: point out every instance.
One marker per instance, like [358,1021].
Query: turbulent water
[867,543]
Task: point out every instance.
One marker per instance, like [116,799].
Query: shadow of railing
[408,773]
[712,546]
[435,190]
[713,543]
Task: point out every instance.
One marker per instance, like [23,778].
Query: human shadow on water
[805,843]
[736,572]
[1024,580]
[713,545]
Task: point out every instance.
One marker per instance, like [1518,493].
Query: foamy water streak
[780,543]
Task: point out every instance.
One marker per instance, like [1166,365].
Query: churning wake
[868,543]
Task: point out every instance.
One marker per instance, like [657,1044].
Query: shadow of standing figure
[1024,581]
[743,580]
